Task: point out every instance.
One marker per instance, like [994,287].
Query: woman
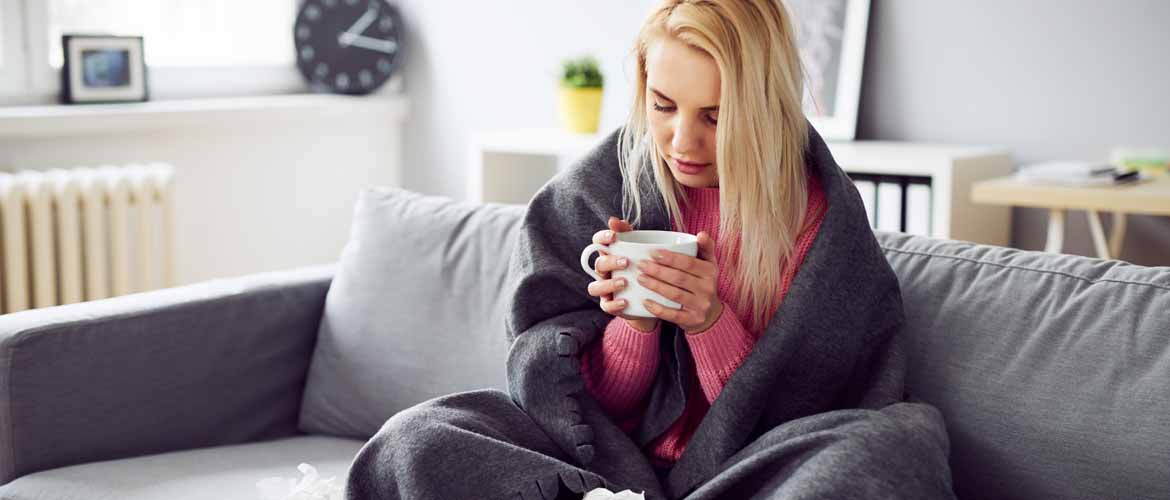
[782,373]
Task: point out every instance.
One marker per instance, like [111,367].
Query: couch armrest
[213,363]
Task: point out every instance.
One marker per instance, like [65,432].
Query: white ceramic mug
[637,246]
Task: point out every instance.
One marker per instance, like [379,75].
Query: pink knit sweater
[620,369]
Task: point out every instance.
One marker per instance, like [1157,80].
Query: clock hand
[365,42]
[361,24]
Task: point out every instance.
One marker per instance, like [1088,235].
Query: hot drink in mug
[637,246]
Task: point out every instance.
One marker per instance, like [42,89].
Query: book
[1076,174]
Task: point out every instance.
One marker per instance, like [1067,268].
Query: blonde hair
[760,138]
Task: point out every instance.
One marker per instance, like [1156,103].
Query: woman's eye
[662,108]
[712,120]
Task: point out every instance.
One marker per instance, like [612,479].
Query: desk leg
[1117,234]
[1055,231]
[1098,234]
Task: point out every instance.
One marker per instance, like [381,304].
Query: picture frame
[103,69]
[831,36]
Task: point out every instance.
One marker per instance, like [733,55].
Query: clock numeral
[307,53]
[322,70]
[384,65]
[312,13]
[351,2]
[330,3]
[342,81]
[386,23]
[366,78]
[303,32]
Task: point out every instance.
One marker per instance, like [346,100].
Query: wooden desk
[1150,196]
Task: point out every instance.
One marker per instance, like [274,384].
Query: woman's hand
[606,287]
[690,281]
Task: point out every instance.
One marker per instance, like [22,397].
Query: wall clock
[347,46]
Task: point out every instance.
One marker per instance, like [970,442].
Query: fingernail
[622,261]
[621,302]
[608,235]
[621,282]
[659,254]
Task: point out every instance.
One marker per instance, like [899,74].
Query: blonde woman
[781,374]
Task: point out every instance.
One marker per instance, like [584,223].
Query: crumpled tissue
[604,494]
[310,487]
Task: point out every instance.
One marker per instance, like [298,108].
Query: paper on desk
[1068,173]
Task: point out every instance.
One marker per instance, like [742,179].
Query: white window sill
[84,119]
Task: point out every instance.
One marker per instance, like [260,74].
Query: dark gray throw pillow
[415,310]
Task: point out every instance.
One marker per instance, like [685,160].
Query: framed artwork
[101,68]
[831,35]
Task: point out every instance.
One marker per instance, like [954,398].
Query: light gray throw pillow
[1052,371]
[414,311]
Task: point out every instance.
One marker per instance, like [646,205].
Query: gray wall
[1048,79]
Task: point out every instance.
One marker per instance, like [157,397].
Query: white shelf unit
[509,166]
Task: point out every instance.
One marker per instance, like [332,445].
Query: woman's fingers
[604,237]
[605,288]
[673,276]
[688,300]
[619,225]
[614,307]
[706,247]
[609,263]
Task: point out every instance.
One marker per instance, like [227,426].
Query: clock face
[347,46]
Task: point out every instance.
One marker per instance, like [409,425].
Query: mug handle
[595,247]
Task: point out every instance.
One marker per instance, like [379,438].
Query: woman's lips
[690,168]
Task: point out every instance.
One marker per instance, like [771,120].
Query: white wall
[254,190]
[1049,79]
[496,64]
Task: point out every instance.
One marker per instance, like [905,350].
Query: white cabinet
[509,166]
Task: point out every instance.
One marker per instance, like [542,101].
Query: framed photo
[831,35]
[103,68]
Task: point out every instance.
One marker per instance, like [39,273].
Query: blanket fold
[832,344]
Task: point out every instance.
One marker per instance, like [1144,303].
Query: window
[184,32]
[193,47]
[12,71]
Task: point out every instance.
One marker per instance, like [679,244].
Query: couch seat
[216,473]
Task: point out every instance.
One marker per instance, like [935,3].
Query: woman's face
[682,102]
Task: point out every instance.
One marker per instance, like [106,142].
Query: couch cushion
[1053,371]
[414,311]
[218,473]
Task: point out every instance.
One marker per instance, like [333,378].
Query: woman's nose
[686,137]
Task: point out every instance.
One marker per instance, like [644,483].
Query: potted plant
[580,95]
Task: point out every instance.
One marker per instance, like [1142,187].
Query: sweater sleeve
[620,368]
[718,351]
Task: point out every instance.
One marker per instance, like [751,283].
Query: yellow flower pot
[580,109]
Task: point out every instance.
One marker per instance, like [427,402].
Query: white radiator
[72,235]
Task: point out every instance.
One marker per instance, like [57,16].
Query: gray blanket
[813,412]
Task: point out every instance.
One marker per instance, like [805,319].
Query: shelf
[534,141]
[74,119]
[510,165]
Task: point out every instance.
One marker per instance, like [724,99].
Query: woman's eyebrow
[660,94]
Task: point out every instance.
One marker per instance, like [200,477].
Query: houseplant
[580,94]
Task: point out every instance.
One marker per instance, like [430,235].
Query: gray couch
[1053,371]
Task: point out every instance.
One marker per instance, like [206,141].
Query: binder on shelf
[889,207]
[868,192]
[918,209]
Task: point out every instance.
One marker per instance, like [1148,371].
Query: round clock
[347,46]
